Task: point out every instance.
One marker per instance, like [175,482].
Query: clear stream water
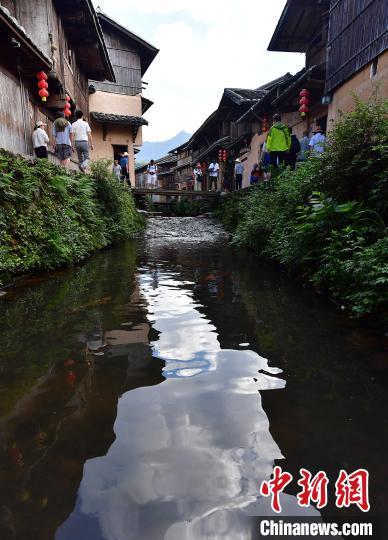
[148,392]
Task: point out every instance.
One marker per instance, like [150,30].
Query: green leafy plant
[327,221]
[50,217]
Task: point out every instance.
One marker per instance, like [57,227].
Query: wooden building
[117,108]
[303,28]
[64,39]
[184,169]
[357,53]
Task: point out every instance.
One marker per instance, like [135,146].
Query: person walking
[198,175]
[40,140]
[83,140]
[124,164]
[278,141]
[63,137]
[318,141]
[152,171]
[213,171]
[304,146]
[238,173]
[293,152]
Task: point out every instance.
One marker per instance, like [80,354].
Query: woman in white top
[152,170]
[40,140]
[198,175]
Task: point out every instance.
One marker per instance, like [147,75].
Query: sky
[205,46]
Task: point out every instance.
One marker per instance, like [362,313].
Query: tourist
[116,169]
[213,171]
[124,164]
[83,140]
[198,175]
[304,146]
[265,162]
[255,174]
[40,140]
[238,173]
[278,141]
[152,171]
[318,141]
[63,137]
[294,150]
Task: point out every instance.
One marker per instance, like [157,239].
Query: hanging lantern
[43,94]
[224,155]
[303,110]
[42,85]
[304,102]
[219,155]
[41,76]
[67,106]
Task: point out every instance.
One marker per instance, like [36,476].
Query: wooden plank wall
[357,34]
[126,64]
[15,131]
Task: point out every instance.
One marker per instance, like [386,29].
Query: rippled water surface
[147,393]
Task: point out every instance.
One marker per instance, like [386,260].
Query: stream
[147,393]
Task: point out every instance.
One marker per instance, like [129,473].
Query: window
[373,68]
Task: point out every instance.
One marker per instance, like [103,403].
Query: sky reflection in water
[189,454]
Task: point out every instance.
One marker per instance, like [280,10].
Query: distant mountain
[156,150]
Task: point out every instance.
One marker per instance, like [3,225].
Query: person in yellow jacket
[278,141]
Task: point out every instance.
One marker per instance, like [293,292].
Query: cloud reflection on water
[189,454]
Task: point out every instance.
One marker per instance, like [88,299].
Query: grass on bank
[327,221]
[50,217]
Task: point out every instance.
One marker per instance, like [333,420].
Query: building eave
[148,51]
[30,48]
[85,35]
[119,119]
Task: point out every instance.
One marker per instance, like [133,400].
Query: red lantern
[303,110]
[67,112]
[42,85]
[224,155]
[43,94]
[41,76]
[219,155]
[67,98]
[67,105]
[304,102]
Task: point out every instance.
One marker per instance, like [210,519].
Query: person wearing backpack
[278,141]
[293,152]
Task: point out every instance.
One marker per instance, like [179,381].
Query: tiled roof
[243,95]
[295,83]
[118,119]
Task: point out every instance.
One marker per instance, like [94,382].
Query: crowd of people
[281,148]
[66,139]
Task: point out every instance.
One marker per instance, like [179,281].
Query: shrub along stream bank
[327,221]
[50,217]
